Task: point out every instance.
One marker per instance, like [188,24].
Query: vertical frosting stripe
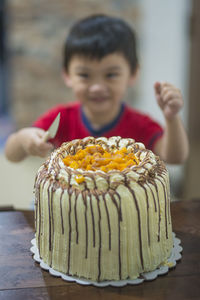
[108,219]
[165,198]
[52,227]
[39,218]
[61,212]
[70,230]
[75,215]
[49,208]
[139,227]
[147,203]
[84,197]
[99,227]
[93,223]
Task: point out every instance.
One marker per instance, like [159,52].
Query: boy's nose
[97,87]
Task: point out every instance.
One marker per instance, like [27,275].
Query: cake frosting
[103,225]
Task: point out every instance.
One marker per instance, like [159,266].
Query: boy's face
[99,84]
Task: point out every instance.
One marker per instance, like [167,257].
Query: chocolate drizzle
[70,231]
[52,227]
[112,195]
[155,205]
[154,200]
[159,214]
[166,228]
[147,203]
[84,196]
[93,224]
[49,208]
[61,211]
[99,228]
[168,201]
[39,214]
[139,226]
[75,213]
[108,219]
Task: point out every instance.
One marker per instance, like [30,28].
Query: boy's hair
[99,35]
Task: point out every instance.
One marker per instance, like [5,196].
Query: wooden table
[22,278]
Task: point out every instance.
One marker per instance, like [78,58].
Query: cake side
[110,226]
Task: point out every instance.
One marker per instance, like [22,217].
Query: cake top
[100,163]
[95,157]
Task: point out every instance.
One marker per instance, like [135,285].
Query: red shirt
[130,124]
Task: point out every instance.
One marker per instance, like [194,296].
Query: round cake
[102,209]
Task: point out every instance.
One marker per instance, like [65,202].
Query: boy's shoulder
[66,109]
[138,119]
[135,114]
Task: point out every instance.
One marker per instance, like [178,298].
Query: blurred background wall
[36,31]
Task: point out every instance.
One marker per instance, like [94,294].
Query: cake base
[163,269]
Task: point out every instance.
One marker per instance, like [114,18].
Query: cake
[102,209]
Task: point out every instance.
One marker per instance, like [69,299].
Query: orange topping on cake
[95,157]
[79,178]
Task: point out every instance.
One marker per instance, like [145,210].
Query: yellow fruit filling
[95,157]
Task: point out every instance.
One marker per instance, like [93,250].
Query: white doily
[170,263]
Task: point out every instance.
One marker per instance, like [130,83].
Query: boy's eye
[83,75]
[112,75]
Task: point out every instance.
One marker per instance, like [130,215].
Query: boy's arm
[173,146]
[27,141]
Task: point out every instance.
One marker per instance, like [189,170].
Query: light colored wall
[164,49]
[164,57]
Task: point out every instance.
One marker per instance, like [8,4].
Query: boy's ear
[67,79]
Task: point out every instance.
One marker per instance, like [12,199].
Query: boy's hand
[32,142]
[169,99]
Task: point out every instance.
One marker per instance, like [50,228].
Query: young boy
[100,63]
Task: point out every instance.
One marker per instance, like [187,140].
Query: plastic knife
[51,132]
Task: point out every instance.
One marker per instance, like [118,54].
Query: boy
[100,62]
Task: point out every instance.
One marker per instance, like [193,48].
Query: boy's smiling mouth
[99,99]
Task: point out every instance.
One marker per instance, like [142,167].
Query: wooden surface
[22,278]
